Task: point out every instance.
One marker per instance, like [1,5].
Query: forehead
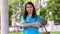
[28,5]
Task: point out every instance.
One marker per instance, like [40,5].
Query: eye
[30,6]
[27,7]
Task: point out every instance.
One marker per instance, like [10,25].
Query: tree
[54,7]
[12,6]
[43,14]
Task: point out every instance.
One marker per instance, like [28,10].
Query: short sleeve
[21,22]
[39,20]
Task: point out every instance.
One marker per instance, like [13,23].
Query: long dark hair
[26,13]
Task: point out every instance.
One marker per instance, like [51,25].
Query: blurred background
[49,11]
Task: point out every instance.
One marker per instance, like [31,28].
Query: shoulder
[38,15]
[22,17]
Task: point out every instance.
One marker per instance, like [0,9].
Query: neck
[30,14]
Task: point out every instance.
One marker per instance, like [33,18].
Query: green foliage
[10,14]
[12,1]
[43,13]
[12,6]
[54,7]
[38,11]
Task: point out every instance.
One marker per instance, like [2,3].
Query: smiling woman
[30,21]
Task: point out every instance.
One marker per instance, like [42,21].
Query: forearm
[36,24]
[25,25]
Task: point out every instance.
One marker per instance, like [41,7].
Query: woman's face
[29,8]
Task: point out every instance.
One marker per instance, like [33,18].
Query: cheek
[31,9]
[27,9]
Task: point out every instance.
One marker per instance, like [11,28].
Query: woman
[30,21]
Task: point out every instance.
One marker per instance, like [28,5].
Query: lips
[29,10]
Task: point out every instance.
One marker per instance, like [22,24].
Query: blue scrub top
[30,29]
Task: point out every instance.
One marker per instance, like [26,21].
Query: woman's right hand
[25,25]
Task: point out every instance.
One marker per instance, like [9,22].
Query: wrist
[29,24]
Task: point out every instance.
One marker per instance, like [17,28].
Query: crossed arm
[35,24]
